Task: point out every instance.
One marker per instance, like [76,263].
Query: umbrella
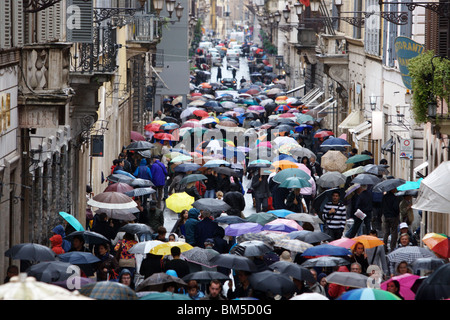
[376,169]
[358,158]
[281,213]
[136,136]
[238,229]
[304,217]
[212,205]
[72,221]
[291,223]
[136,228]
[367,241]
[253,248]
[309,296]
[436,286]
[413,193]
[138,192]
[169,126]
[335,142]
[118,187]
[331,179]
[269,237]
[325,196]
[139,146]
[205,276]
[108,290]
[116,177]
[333,160]
[167,295]
[295,182]
[90,237]
[348,279]
[225,171]
[354,171]
[261,217]
[406,281]
[177,202]
[200,256]
[293,270]
[368,294]
[163,249]
[120,214]
[78,257]
[181,158]
[410,185]
[438,243]
[323,134]
[429,264]
[193,178]
[232,261]
[260,163]
[165,136]
[30,251]
[271,282]
[215,163]
[112,200]
[284,164]
[387,185]
[325,261]
[290,172]
[51,271]
[138,182]
[278,228]
[366,179]
[144,247]
[409,254]
[185,167]
[310,236]
[22,287]
[326,250]
[74,283]
[293,245]
[157,281]
[226,219]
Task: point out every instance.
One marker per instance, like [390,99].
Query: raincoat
[56,241]
[190,225]
[159,173]
[66,245]
[143,172]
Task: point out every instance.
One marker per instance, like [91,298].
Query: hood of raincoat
[193,213]
[143,162]
[56,240]
[59,229]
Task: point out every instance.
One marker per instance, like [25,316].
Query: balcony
[143,34]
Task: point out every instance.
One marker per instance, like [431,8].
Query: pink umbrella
[265,144]
[136,136]
[406,282]
[343,242]
[287,115]
[288,222]
[301,166]
[256,108]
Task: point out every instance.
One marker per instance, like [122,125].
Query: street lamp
[170,6]
[158,6]
[179,11]
[314,5]
[298,9]
[277,16]
[271,18]
[373,102]
[286,13]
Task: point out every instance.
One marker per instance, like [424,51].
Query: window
[372,29]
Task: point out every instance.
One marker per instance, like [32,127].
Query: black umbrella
[78,257]
[30,251]
[157,281]
[271,282]
[117,177]
[366,179]
[90,237]
[205,276]
[325,261]
[252,248]
[429,264]
[51,271]
[232,261]
[226,171]
[140,146]
[138,182]
[185,167]
[136,228]
[294,270]
[436,286]
[388,185]
[310,236]
[193,178]
[138,192]
[212,205]
[230,219]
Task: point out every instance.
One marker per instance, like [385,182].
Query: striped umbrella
[293,245]
[368,294]
[409,254]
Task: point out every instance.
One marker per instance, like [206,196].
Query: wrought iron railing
[144,27]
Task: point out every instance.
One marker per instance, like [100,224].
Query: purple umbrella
[279,228]
[238,229]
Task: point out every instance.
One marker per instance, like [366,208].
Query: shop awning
[351,121]
[362,130]
[387,146]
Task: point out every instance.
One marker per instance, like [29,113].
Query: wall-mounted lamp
[373,102]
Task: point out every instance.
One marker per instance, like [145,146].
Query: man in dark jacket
[180,266]
[362,200]
[205,229]
[261,192]
[390,210]
[190,224]
[235,199]
[279,195]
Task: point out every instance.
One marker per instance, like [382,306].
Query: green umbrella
[301,118]
[261,217]
[260,163]
[358,158]
[290,172]
[164,296]
[181,158]
[193,178]
[295,182]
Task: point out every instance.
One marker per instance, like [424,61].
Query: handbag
[124,263]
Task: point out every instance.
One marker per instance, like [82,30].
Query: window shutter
[84,31]
[443,37]
[18,25]
[431,31]
[5,24]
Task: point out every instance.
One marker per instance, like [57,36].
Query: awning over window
[387,146]
[351,121]
[362,130]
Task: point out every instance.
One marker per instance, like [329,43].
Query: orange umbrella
[284,164]
[206,85]
[438,243]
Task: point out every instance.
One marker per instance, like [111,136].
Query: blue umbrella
[125,173]
[302,127]
[185,167]
[238,229]
[78,257]
[278,227]
[169,126]
[410,185]
[72,221]
[326,250]
[335,142]
[281,213]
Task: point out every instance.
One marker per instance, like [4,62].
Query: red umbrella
[253,91]
[323,134]
[152,127]
[201,113]
[119,187]
[287,115]
[196,94]
[164,136]
[136,136]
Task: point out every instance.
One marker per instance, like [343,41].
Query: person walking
[261,191]
[294,201]
[362,200]
[233,72]
[334,215]
[219,74]
[180,266]
[205,229]
[390,210]
[159,174]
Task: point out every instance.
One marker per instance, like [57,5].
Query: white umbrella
[144,247]
[309,296]
[112,200]
[284,140]
[434,193]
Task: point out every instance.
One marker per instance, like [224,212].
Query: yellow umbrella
[177,202]
[159,122]
[163,249]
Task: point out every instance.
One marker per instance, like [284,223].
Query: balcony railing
[144,28]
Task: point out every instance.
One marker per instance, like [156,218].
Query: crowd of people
[387,216]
